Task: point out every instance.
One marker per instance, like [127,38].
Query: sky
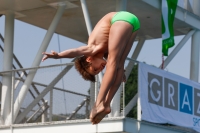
[28,38]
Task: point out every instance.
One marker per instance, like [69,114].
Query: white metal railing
[54,69]
[79,109]
[41,90]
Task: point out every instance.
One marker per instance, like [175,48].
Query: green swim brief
[127,17]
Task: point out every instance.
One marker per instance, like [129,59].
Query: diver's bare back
[100,34]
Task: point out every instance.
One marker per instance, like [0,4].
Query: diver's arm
[70,53]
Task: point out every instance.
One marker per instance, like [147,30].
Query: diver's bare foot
[102,111]
[96,110]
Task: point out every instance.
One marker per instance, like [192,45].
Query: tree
[131,88]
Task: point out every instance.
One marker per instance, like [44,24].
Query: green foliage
[131,89]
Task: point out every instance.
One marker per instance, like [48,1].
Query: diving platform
[108,125]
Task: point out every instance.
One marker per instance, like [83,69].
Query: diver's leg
[104,109]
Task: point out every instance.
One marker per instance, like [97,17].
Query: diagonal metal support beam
[56,88]
[177,48]
[134,56]
[131,104]
[181,14]
[43,93]
[38,59]
[22,74]
[38,110]
[77,109]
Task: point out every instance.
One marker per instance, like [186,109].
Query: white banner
[168,98]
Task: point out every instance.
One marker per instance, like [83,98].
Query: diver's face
[96,65]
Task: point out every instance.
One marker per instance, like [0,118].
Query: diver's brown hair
[81,65]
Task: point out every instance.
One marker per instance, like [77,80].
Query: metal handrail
[38,67]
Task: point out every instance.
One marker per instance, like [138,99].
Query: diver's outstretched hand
[53,55]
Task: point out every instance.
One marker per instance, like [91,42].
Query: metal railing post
[51,106]
[7,65]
